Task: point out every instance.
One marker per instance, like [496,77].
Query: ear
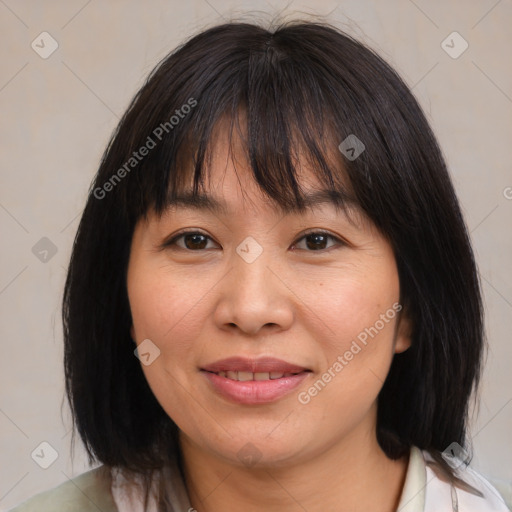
[403,333]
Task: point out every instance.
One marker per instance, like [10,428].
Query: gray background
[58,113]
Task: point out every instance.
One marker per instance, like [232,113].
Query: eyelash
[172,242]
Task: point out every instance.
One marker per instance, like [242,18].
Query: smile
[247,388]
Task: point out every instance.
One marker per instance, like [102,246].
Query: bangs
[279,165]
[280,106]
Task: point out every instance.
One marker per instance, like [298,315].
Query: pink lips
[252,392]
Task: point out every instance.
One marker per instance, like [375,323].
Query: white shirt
[423,491]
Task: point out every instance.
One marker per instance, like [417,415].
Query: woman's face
[250,286]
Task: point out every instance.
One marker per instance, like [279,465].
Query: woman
[272,301]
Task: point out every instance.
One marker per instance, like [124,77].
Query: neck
[353,475]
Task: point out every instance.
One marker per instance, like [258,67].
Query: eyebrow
[312,200]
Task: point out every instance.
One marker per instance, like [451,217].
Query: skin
[294,302]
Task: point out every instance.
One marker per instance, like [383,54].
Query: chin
[259,451]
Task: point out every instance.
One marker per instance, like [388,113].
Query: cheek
[350,301]
[165,308]
[168,311]
[358,312]
[355,367]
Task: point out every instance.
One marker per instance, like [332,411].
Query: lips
[254,381]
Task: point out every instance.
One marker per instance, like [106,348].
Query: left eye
[195,241]
[316,240]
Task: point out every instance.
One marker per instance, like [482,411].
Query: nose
[254,296]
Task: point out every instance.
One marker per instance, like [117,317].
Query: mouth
[254,381]
[258,376]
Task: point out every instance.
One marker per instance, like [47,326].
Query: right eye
[193,241]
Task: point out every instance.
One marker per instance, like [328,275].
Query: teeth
[245,376]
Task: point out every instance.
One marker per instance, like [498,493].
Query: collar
[413,492]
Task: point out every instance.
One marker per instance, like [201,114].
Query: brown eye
[317,241]
[192,241]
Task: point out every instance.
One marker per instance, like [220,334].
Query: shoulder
[89,491]
[477,496]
